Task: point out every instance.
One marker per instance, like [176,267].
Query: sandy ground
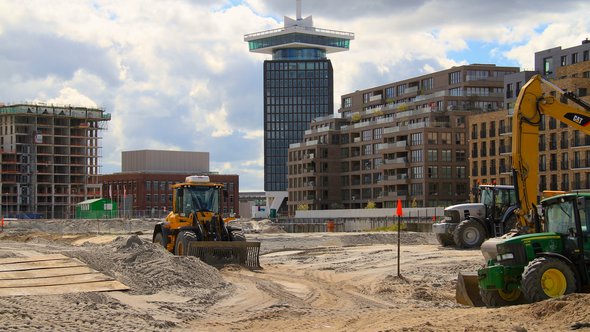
[309,282]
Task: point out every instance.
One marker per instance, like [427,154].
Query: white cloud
[70,96]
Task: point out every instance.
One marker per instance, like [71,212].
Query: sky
[177,74]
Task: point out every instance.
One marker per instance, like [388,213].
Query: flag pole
[399,217]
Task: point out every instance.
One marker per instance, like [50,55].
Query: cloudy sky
[177,74]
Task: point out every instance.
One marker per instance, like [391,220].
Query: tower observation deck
[299,39]
[298,87]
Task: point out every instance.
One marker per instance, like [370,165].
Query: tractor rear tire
[547,277]
[499,298]
[445,239]
[182,242]
[469,234]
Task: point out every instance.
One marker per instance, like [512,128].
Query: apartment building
[401,141]
[564,153]
[49,158]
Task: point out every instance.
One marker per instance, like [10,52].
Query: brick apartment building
[405,140]
[143,188]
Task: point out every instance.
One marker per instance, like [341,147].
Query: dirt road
[309,282]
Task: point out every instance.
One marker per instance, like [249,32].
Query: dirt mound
[148,268]
[570,309]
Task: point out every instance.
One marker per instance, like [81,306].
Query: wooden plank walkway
[51,274]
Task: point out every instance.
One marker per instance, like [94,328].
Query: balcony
[396,161]
[581,163]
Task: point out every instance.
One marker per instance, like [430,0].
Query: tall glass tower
[298,87]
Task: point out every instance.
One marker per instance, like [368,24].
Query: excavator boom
[537,98]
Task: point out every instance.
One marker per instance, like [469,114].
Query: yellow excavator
[526,265]
[195,226]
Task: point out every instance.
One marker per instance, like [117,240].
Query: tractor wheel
[158,238]
[445,239]
[499,298]
[182,242]
[237,236]
[547,277]
[469,234]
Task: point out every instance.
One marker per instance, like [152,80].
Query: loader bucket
[467,291]
[219,253]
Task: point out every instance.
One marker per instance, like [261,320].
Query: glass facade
[295,92]
[301,38]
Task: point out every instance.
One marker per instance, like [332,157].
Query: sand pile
[148,268]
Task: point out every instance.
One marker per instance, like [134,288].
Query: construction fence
[419,220]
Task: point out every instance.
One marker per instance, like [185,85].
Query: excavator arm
[532,103]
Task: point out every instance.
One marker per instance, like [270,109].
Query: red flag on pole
[398,212]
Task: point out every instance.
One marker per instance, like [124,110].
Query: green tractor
[538,266]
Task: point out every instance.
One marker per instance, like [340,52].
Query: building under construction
[49,158]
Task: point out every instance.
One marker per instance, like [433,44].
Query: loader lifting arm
[532,103]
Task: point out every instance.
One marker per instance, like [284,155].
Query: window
[459,138]
[563,60]
[547,66]
[416,139]
[509,90]
[446,155]
[432,172]
[401,89]
[377,133]
[455,77]
[347,102]
[367,149]
[432,138]
[574,58]
[445,172]
[445,138]
[432,155]
[460,156]
[585,56]
[461,172]
[389,92]
[582,92]
[427,84]
[367,135]
[417,156]
[418,172]
[455,92]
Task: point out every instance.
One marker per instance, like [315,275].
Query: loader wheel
[182,242]
[469,234]
[445,239]
[499,298]
[158,238]
[238,236]
[547,277]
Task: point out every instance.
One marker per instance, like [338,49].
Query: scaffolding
[49,159]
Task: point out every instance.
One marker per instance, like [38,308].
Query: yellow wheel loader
[195,227]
